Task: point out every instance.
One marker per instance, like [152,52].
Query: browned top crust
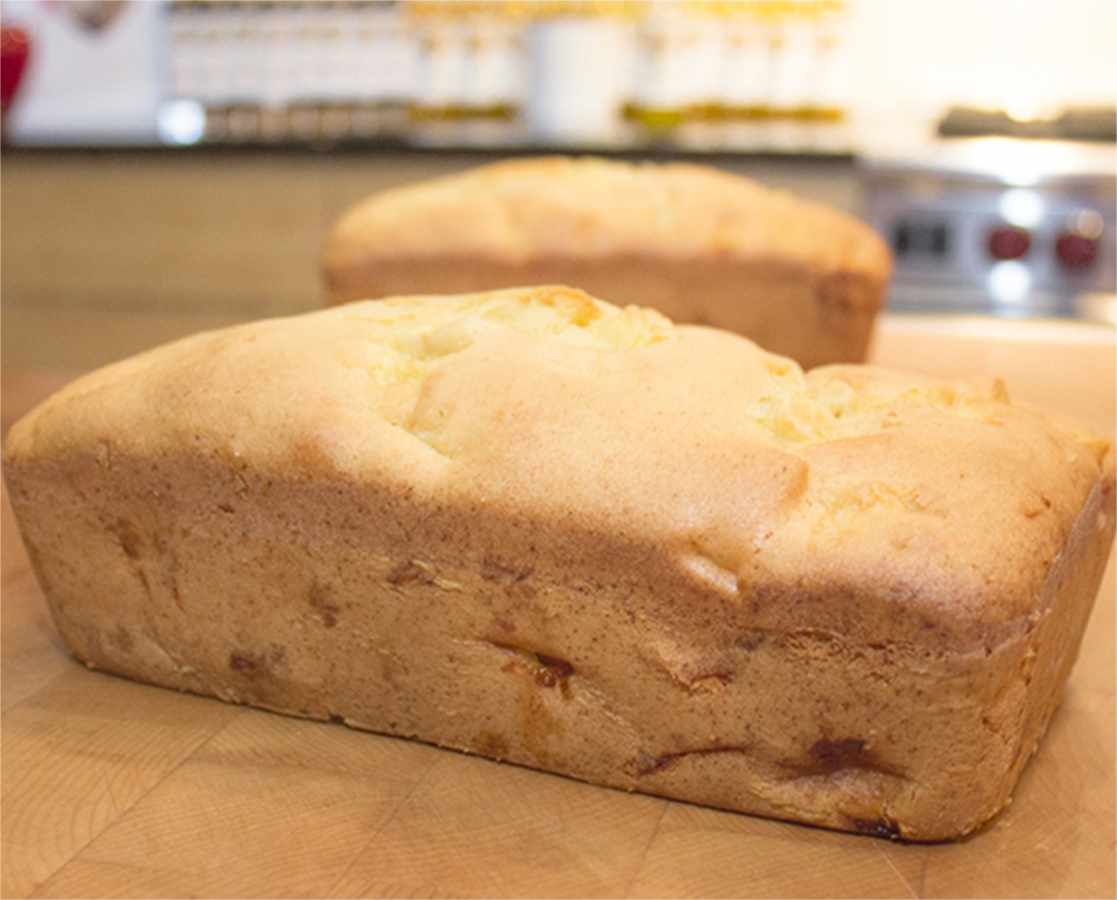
[518,210]
[946,502]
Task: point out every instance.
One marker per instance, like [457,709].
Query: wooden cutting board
[111,788]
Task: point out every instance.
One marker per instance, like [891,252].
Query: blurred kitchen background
[170,165]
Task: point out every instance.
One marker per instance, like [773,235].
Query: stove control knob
[1009,242]
[1075,250]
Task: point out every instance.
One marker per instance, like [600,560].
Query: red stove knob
[1009,242]
[1076,251]
[15,45]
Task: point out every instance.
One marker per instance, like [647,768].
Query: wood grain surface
[116,789]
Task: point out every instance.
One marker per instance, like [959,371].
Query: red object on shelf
[1009,242]
[15,48]
[1076,251]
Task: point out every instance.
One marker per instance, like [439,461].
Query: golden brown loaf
[697,243]
[537,527]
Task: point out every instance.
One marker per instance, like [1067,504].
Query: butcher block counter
[112,788]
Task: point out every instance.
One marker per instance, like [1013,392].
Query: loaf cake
[534,526]
[699,244]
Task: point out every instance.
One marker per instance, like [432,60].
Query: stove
[1006,225]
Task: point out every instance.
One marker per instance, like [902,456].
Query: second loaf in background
[699,244]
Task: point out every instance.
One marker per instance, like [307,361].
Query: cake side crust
[535,645]
[811,315]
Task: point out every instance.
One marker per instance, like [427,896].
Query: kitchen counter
[132,248]
[116,789]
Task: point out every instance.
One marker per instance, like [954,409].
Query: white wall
[913,58]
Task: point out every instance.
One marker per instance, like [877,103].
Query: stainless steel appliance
[999,225]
